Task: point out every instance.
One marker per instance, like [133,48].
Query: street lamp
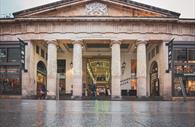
[123,67]
[71,64]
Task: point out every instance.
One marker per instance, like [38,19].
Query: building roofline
[125,2]
[99,18]
[92,18]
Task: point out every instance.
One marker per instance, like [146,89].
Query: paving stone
[50,113]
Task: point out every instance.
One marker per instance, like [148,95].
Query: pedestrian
[43,91]
[94,90]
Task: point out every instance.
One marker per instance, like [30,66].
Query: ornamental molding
[96,9]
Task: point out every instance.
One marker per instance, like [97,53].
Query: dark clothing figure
[94,90]
[43,91]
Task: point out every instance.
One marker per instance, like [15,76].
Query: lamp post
[123,67]
[71,64]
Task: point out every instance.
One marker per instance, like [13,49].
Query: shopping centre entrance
[97,78]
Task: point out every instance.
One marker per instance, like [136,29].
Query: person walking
[94,90]
[43,91]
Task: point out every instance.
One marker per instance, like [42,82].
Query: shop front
[184,68]
[10,68]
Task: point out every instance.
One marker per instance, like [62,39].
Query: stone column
[52,69]
[141,68]
[28,85]
[165,77]
[116,69]
[77,69]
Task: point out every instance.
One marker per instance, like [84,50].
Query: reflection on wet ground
[50,113]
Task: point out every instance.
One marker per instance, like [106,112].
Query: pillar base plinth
[51,97]
[29,97]
[117,98]
[76,97]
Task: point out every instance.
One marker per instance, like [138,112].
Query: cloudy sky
[185,7]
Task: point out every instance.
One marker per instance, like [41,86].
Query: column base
[76,97]
[142,97]
[51,97]
[29,97]
[150,98]
[116,98]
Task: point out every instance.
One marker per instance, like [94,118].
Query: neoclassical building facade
[107,48]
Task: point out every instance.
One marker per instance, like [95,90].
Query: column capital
[77,42]
[115,42]
[141,42]
[51,42]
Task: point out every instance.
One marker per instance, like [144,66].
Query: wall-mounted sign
[22,53]
[170,54]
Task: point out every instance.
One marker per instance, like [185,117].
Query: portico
[121,45]
[115,53]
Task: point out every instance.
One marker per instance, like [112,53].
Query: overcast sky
[185,7]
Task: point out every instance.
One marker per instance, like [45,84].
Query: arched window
[154,81]
[41,75]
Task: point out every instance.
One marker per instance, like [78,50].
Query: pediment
[112,8]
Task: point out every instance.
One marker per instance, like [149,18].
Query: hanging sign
[170,54]
[22,54]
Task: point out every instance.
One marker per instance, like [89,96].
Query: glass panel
[61,66]
[184,59]
[157,49]
[191,55]
[13,70]
[190,86]
[178,69]
[181,69]
[62,86]
[41,68]
[13,55]
[188,69]
[15,86]
[10,80]
[153,52]
[177,87]
[3,55]
[180,55]
[2,69]
[42,53]
[2,77]
[37,49]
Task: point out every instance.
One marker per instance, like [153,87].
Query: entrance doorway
[41,76]
[154,81]
[98,77]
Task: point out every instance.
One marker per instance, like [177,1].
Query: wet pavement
[50,113]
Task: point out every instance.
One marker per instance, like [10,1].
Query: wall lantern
[71,64]
[123,67]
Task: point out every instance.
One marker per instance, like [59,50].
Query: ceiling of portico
[97,45]
[69,8]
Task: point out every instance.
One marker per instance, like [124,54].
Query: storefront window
[10,80]
[13,54]
[13,70]
[190,86]
[2,70]
[3,55]
[184,69]
[180,55]
[177,87]
[10,69]
[191,56]
[61,66]
[181,69]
